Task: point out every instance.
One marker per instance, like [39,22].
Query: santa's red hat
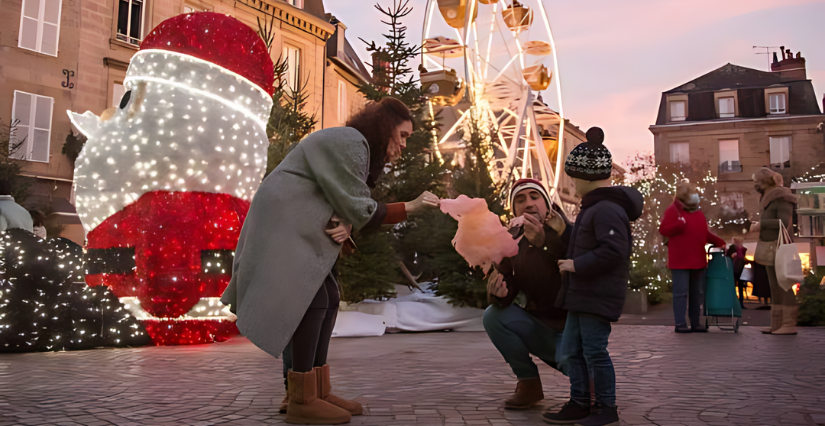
[216,38]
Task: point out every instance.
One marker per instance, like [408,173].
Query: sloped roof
[349,58]
[731,76]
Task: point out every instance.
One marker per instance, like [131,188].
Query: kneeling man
[537,328]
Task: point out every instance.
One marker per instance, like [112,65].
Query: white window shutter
[42,129]
[29,25]
[22,115]
[51,27]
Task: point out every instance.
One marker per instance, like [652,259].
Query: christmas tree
[288,122]
[46,306]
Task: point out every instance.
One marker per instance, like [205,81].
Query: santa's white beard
[175,140]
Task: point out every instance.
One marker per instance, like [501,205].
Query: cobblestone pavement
[422,379]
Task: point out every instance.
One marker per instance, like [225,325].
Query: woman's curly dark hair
[377,122]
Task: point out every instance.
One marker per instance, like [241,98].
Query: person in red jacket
[687,231]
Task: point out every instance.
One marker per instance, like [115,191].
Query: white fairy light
[220,117]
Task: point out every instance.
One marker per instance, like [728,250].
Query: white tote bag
[788,264]
[747,275]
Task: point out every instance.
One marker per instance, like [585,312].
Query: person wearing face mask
[776,203]
[687,231]
[536,329]
[283,287]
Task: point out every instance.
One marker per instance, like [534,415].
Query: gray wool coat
[283,253]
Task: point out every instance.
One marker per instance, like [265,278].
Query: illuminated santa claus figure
[165,178]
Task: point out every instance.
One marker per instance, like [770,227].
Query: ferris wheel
[495,61]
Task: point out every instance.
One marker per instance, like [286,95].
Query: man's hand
[533,230]
[426,199]
[338,230]
[496,285]
[567,265]
[556,222]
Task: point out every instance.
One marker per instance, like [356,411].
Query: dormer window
[777,103]
[297,3]
[727,107]
[677,110]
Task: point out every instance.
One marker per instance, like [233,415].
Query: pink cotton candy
[481,239]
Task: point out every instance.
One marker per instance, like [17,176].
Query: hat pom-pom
[595,136]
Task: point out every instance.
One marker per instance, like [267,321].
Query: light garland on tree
[164,185]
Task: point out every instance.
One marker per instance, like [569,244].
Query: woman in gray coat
[777,204]
[282,287]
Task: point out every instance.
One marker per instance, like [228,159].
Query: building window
[780,152]
[117,93]
[34,128]
[729,156]
[680,153]
[293,67]
[777,103]
[297,3]
[40,26]
[734,201]
[677,111]
[130,20]
[727,108]
[342,102]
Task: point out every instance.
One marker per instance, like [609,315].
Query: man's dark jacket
[534,271]
[600,244]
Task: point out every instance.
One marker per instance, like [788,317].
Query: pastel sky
[617,57]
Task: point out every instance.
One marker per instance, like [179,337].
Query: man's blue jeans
[688,281]
[584,352]
[517,334]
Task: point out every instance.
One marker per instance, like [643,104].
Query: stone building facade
[737,120]
[59,55]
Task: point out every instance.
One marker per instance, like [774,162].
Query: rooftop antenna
[767,52]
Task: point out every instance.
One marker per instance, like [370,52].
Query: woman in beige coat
[776,205]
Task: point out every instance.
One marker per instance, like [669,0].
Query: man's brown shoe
[528,393]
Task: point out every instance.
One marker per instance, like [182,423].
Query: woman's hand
[338,230]
[496,285]
[756,226]
[426,199]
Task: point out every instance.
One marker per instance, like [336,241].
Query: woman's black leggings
[310,343]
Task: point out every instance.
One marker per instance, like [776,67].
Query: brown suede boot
[324,388]
[305,408]
[788,321]
[284,405]
[776,319]
[528,392]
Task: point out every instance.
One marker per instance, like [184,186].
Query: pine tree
[288,121]
[10,166]
[465,286]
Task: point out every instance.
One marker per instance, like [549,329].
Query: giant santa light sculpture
[165,179]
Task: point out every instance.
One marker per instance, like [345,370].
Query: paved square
[423,379]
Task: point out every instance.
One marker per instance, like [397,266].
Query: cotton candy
[481,239]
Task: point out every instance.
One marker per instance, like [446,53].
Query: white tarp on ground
[416,311]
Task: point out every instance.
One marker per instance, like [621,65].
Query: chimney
[340,35]
[790,68]
[775,58]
